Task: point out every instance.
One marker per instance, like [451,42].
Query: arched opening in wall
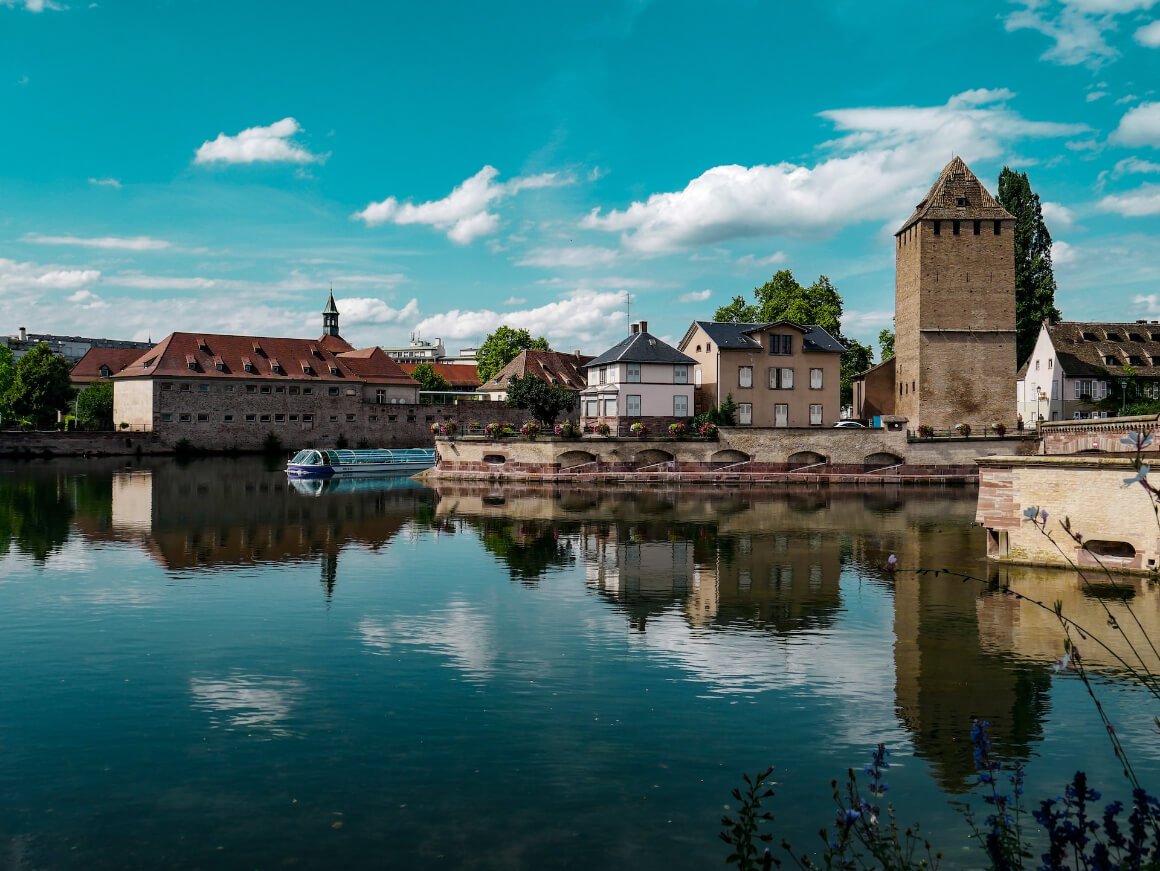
[1107,552]
[805,458]
[1091,451]
[568,459]
[494,459]
[880,460]
[652,457]
[730,456]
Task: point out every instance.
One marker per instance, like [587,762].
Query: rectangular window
[166,386]
[601,374]
[815,379]
[308,417]
[307,391]
[293,418]
[203,388]
[590,408]
[632,406]
[202,418]
[279,389]
[265,418]
[745,376]
[978,227]
[955,228]
[251,388]
[697,376]
[780,344]
[166,416]
[938,228]
[380,397]
[349,418]
[781,415]
[184,418]
[780,379]
[681,373]
[332,391]
[634,373]
[265,388]
[334,418]
[680,406]
[745,414]
[815,415]
[279,418]
[250,418]
[610,408]
[228,418]
[229,388]
[183,387]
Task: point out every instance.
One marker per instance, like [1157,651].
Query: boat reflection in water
[331,486]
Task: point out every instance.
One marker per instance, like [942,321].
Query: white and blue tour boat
[312,463]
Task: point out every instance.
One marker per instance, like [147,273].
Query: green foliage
[35,516]
[272,444]
[857,359]
[743,832]
[40,387]
[429,379]
[503,346]
[95,406]
[7,375]
[886,345]
[545,401]
[1034,278]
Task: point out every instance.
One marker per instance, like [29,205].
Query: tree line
[36,392]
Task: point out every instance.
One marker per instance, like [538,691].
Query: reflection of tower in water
[329,573]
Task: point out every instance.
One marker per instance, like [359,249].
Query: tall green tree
[95,406]
[886,344]
[1034,278]
[40,387]
[856,359]
[503,346]
[429,379]
[7,375]
[545,401]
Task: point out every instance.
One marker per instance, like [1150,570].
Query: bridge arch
[880,460]
[730,456]
[653,456]
[806,458]
[568,459]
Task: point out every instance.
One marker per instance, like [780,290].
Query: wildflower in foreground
[1140,475]
[1031,513]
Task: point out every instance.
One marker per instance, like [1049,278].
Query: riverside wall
[77,444]
[1116,525]
[740,455]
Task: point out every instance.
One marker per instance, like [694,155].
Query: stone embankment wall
[1117,523]
[741,454]
[62,444]
[1098,436]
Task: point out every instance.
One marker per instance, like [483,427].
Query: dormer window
[258,349]
[1134,360]
[106,371]
[247,365]
[276,367]
[219,364]
[201,345]
[307,368]
[1089,337]
[315,352]
[961,202]
[190,362]
[149,362]
[333,370]
[1113,337]
[1110,360]
[1135,337]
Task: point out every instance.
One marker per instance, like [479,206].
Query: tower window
[955,227]
[997,227]
[961,202]
[1113,337]
[938,228]
[978,227]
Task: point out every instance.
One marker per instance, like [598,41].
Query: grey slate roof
[730,337]
[1083,345]
[640,348]
[956,182]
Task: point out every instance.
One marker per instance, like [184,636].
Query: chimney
[576,353]
[635,329]
[23,334]
[644,326]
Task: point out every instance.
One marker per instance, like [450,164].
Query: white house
[640,379]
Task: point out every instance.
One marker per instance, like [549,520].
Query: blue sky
[449,167]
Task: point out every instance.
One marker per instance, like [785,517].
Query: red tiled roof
[459,376]
[88,367]
[190,355]
[554,367]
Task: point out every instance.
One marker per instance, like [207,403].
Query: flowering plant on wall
[474,425]
[963,429]
[602,428]
[925,431]
[708,430]
[530,429]
[566,430]
[1000,429]
[494,430]
[677,429]
[638,429]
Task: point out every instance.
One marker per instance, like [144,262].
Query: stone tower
[954,307]
[330,317]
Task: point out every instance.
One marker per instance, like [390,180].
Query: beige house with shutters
[780,374]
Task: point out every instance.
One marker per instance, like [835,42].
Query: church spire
[330,317]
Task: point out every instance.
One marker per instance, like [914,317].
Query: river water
[203,666]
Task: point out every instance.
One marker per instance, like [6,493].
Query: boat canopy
[384,456]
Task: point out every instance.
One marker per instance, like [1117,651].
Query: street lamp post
[1123,396]
[1039,398]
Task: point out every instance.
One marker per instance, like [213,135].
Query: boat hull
[368,470]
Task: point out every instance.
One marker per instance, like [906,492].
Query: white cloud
[1077,28]
[25,276]
[272,144]
[576,257]
[1139,126]
[1127,98]
[884,154]
[580,318]
[1134,165]
[106,182]
[364,310]
[248,702]
[1058,216]
[866,323]
[514,300]
[32,5]
[749,260]
[1149,34]
[1143,201]
[1063,253]
[695,296]
[463,214]
[86,299]
[117,243]
[1092,96]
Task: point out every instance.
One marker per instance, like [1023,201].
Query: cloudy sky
[448,167]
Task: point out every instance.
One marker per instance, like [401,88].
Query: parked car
[849,424]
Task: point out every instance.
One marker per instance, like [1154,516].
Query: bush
[272,444]
[494,430]
[1000,429]
[603,429]
[925,431]
[638,429]
[474,426]
[566,430]
[677,429]
[963,429]
[708,430]
[530,429]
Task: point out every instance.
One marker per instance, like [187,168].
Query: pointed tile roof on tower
[331,308]
[957,195]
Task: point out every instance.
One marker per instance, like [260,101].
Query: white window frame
[590,406]
[815,379]
[610,407]
[680,373]
[628,405]
[776,407]
[633,373]
[600,375]
[780,378]
[680,405]
[815,414]
[745,414]
[697,376]
[744,373]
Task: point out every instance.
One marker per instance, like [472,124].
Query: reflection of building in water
[201,515]
[944,675]
[643,570]
[1033,633]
